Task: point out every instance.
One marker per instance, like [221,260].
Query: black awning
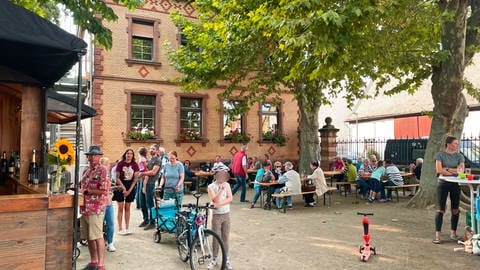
[34,46]
[63,109]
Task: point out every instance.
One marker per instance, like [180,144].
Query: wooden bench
[403,187]
[186,186]
[346,185]
[287,194]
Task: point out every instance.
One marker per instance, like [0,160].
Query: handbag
[309,185]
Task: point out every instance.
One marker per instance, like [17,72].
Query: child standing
[221,195]
[375,178]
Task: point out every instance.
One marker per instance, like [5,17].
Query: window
[233,124]
[191,115]
[270,116]
[142,40]
[142,111]
[142,48]
[181,37]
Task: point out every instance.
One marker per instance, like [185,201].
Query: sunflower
[64,150]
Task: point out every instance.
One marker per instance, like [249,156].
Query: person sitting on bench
[393,178]
[291,179]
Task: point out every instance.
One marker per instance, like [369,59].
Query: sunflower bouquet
[62,155]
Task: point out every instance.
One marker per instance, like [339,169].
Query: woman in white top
[320,184]
[221,195]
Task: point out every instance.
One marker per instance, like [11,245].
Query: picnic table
[474,187]
[330,174]
[202,176]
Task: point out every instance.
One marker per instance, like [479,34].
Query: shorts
[91,227]
[118,195]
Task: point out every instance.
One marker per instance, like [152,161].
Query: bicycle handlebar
[364,214]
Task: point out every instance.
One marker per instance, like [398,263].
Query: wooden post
[31,128]
[328,146]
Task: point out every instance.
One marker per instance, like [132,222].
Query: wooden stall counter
[36,229]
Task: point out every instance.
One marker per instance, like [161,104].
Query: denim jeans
[389,192]
[280,201]
[363,186]
[138,191]
[109,220]
[147,202]
[258,192]
[240,184]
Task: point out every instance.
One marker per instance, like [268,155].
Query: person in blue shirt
[376,185]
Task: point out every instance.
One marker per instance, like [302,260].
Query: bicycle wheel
[182,233]
[202,255]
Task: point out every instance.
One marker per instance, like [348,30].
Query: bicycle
[366,249]
[195,241]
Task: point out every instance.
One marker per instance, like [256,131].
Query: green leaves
[89,15]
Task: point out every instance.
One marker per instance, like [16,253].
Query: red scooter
[366,249]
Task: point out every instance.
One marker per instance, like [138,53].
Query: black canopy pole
[80,53]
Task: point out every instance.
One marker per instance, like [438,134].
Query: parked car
[406,151]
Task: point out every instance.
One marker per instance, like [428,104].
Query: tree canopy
[86,14]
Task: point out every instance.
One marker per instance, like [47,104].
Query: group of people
[138,181]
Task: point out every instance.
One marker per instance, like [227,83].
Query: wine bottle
[4,164]
[11,164]
[33,170]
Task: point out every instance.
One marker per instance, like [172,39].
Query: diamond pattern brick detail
[191,151]
[271,150]
[189,9]
[143,71]
[233,150]
[166,5]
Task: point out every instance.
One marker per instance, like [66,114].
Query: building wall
[114,78]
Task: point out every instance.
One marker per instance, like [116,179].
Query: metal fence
[402,151]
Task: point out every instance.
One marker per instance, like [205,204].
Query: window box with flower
[190,136]
[236,136]
[275,137]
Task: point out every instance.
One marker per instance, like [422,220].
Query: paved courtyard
[322,237]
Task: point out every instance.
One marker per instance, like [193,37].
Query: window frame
[155,41]
[243,120]
[261,113]
[158,108]
[178,110]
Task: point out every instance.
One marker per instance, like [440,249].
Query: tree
[460,38]
[313,49]
[86,14]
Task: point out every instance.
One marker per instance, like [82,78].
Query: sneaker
[149,226]
[389,199]
[127,232]
[229,266]
[382,200]
[111,247]
[212,264]
[143,224]
[290,207]
[122,232]
[308,205]
[252,206]
[370,199]
[90,267]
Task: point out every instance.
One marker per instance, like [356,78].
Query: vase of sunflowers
[61,156]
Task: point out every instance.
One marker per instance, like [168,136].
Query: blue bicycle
[202,246]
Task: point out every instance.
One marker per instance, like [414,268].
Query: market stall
[36,228]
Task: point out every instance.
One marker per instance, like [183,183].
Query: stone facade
[116,77]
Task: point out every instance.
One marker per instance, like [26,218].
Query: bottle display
[11,164]
[33,170]
[3,168]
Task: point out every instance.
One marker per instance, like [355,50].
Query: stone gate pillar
[328,147]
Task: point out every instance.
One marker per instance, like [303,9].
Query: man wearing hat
[94,186]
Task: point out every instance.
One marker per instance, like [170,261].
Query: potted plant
[139,133]
[189,135]
[275,137]
[236,136]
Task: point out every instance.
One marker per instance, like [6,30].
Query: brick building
[133,86]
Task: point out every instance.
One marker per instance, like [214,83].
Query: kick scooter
[366,249]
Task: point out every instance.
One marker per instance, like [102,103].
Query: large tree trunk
[308,133]
[450,107]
